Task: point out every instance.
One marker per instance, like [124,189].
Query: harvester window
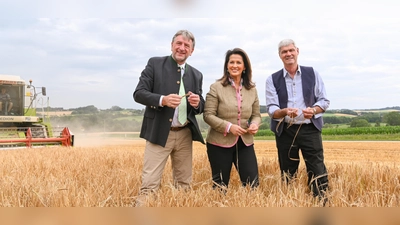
[6,103]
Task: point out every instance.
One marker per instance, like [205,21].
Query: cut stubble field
[107,173]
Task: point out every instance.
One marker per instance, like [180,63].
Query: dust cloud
[97,140]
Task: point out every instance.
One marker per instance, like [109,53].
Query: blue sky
[89,53]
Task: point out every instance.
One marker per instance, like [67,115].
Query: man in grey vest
[296,99]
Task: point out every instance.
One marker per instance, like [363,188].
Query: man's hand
[292,112]
[171,100]
[308,113]
[193,99]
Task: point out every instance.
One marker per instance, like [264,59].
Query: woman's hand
[237,130]
[253,128]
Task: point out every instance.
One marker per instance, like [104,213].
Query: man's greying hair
[284,43]
[186,34]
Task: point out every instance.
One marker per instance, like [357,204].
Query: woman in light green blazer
[232,110]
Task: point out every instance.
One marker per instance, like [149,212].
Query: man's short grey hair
[284,43]
[186,34]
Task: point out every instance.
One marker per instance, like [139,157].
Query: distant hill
[387,109]
[394,107]
[263,109]
[55,113]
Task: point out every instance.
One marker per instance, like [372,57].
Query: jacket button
[178,82]
[170,120]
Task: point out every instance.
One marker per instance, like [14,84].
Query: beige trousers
[179,147]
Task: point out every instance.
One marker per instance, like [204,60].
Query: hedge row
[347,131]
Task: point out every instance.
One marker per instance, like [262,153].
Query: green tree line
[117,119]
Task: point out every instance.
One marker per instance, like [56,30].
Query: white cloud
[85,58]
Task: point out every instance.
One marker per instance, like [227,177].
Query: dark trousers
[309,141]
[241,156]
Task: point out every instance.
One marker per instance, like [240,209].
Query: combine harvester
[21,127]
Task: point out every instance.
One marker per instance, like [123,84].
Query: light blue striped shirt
[295,96]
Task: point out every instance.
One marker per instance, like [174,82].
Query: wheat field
[107,173]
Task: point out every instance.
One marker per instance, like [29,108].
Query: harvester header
[19,124]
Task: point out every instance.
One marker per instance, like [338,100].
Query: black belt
[297,125]
[177,128]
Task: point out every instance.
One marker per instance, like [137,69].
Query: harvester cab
[19,124]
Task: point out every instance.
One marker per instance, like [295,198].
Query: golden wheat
[107,173]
